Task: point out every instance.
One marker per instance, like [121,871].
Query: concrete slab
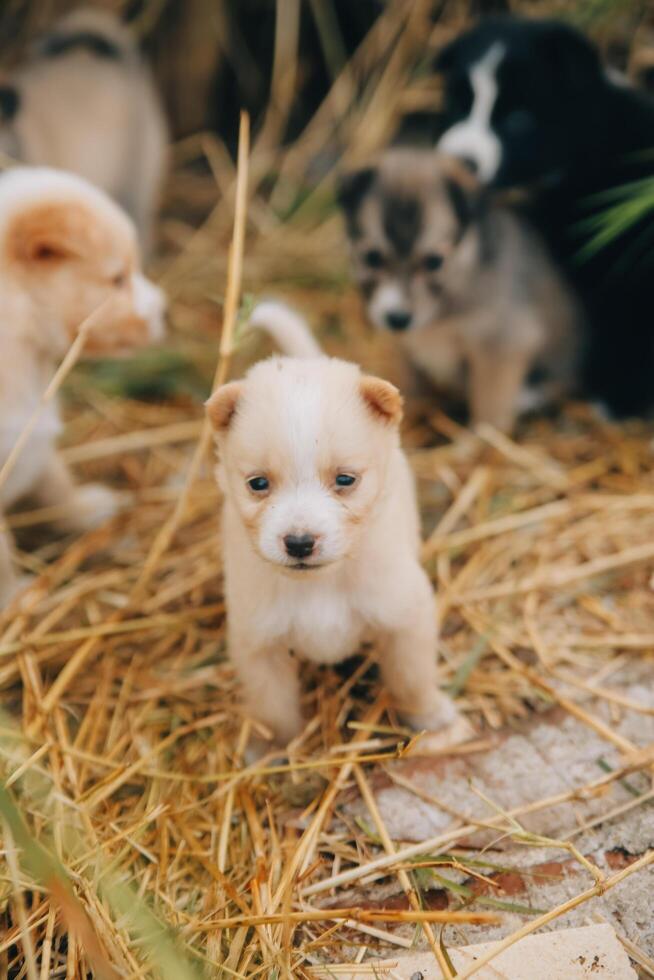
[588,953]
[554,754]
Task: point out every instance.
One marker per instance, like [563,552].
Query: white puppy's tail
[286,327]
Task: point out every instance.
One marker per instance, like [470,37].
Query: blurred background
[209,56]
[327,83]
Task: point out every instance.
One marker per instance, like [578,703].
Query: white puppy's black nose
[398,319]
[299,545]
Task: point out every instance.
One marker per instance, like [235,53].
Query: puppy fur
[84,101]
[65,250]
[300,425]
[528,103]
[464,283]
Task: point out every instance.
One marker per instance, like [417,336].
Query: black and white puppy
[528,104]
[84,101]
[464,284]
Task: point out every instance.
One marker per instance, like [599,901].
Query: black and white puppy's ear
[448,55]
[352,188]
[573,60]
[9,102]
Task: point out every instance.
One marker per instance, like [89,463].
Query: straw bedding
[137,842]
[130,756]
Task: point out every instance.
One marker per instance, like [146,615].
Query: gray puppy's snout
[398,319]
[299,545]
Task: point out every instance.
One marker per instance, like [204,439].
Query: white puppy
[84,101]
[65,250]
[321,530]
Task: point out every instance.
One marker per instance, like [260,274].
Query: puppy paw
[276,744]
[436,743]
[94,504]
[440,714]
[260,748]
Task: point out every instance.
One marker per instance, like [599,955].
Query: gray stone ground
[554,754]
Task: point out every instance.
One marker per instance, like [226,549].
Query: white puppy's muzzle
[303,513]
[150,304]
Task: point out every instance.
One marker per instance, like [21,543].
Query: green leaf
[446,955]
[502,906]
[460,679]
[155,939]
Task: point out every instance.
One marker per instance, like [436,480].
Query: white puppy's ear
[48,233]
[222,405]
[382,399]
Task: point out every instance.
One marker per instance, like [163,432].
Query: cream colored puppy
[84,101]
[65,250]
[321,530]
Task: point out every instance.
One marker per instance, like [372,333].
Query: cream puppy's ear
[49,233]
[222,405]
[382,398]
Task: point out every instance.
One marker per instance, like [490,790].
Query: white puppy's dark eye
[373,258]
[345,480]
[120,280]
[258,484]
[432,261]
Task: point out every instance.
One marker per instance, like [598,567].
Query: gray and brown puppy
[465,284]
[84,101]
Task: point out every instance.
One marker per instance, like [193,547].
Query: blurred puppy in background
[65,250]
[528,104]
[320,530]
[465,284]
[84,101]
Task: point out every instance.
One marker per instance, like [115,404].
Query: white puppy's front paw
[261,748]
[94,504]
[441,713]
[442,727]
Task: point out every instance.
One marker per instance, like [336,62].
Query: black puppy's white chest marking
[473,139]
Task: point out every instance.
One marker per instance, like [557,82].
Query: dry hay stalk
[131,728]
[356,914]
[230,313]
